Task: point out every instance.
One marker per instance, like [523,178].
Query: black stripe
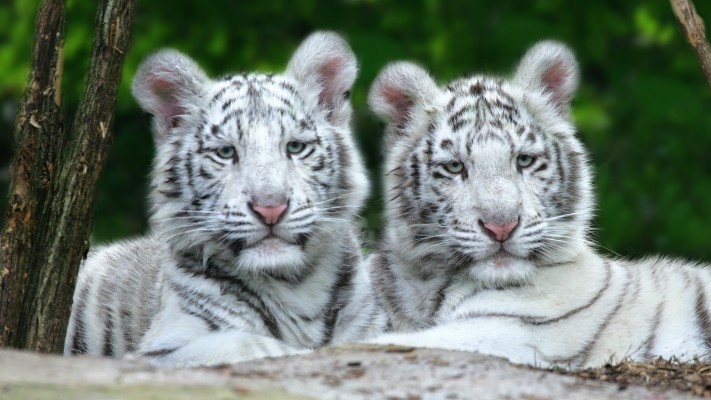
[218,95]
[79,340]
[211,324]
[194,304]
[415,172]
[450,104]
[455,117]
[229,116]
[344,160]
[476,89]
[300,218]
[439,300]
[108,330]
[531,136]
[320,164]
[126,319]
[578,359]
[538,320]
[480,115]
[303,238]
[202,306]
[541,167]
[190,172]
[585,353]
[242,291]
[573,190]
[106,298]
[158,353]
[309,153]
[600,292]
[289,88]
[648,344]
[170,194]
[702,315]
[385,285]
[291,276]
[225,105]
[205,174]
[236,246]
[438,175]
[340,293]
[286,102]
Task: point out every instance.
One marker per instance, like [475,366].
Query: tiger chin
[502,270]
[272,254]
[489,200]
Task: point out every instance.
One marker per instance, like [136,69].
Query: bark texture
[53,177]
[693,27]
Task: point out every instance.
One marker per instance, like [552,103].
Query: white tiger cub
[489,203]
[255,187]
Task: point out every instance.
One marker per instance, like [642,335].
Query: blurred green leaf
[642,108]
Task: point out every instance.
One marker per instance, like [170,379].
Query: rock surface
[351,372]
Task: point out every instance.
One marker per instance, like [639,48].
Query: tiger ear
[325,64]
[401,93]
[551,69]
[166,85]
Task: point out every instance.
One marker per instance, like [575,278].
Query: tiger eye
[454,167]
[525,160]
[295,147]
[226,152]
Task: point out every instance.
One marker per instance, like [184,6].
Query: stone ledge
[345,372]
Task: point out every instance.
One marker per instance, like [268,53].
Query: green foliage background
[643,108]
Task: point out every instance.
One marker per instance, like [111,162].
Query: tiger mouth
[502,253]
[272,240]
[502,258]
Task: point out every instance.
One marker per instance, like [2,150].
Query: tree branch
[53,179]
[693,27]
[38,133]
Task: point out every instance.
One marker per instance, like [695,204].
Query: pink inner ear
[553,79]
[168,103]
[329,77]
[398,100]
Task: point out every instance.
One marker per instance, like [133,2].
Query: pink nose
[500,232]
[270,215]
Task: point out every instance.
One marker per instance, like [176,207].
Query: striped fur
[471,160]
[254,253]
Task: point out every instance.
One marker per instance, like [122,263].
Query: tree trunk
[693,27]
[53,178]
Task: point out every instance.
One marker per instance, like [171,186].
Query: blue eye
[226,152]
[295,147]
[454,167]
[525,160]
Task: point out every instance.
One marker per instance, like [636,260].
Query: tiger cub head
[254,171]
[485,175]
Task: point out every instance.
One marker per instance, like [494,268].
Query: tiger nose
[500,233]
[269,215]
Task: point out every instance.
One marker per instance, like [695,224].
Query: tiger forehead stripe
[256,86]
[446,144]
[262,108]
[482,104]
